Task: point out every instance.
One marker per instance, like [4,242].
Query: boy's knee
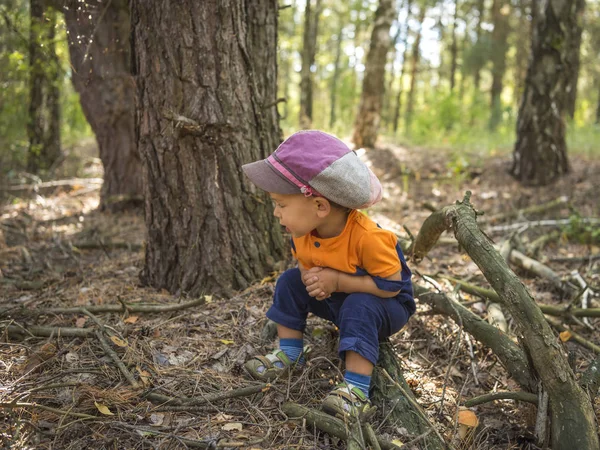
[290,277]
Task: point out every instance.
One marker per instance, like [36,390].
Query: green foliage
[580,231]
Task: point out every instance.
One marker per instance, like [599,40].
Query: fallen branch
[534,209]
[541,223]
[326,423]
[111,353]
[47,408]
[519,395]
[511,355]
[576,337]
[164,400]
[550,310]
[114,308]
[573,419]
[55,332]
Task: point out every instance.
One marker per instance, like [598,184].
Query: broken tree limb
[122,307]
[325,422]
[111,353]
[550,310]
[511,356]
[534,209]
[14,330]
[390,391]
[576,337]
[518,395]
[573,419]
[245,391]
[542,223]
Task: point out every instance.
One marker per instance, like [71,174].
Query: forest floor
[66,392]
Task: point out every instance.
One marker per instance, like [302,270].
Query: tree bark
[573,420]
[500,16]
[414,68]
[598,107]
[523,32]
[367,121]
[206,94]
[398,105]
[454,47]
[98,36]
[540,154]
[43,128]
[309,49]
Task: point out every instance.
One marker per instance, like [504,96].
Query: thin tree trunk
[44,89]
[336,71]
[209,229]
[524,33]
[391,76]
[454,47]
[309,48]
[598,107]
[398,105]
[413,69]
[540,154]
[478,34]
[100,56]
[572,64]
[500,16]
[367,121]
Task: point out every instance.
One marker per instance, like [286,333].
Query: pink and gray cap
[315,163]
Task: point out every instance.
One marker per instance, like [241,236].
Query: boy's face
[298,214]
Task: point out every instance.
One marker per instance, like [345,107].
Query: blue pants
[363,319]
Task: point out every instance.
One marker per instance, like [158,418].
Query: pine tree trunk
[206,89]
[478,33]
[336,71]
[500,16]
[572,64]
[398,105]
[369,112]
[454,48]
[413,70]
[98,36]
[43,128]
[540,154]
[309,49]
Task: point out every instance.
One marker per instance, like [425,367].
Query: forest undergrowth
[84,365]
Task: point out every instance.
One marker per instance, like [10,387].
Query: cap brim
[268,179]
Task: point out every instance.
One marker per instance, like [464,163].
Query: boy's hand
[321,282]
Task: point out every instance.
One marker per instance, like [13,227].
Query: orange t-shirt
[362,245]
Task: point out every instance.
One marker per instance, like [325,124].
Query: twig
[195,401]
[46,408]
[574,336]
[541,223]
[111,353]
[518,395]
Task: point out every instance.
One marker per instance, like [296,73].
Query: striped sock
[360,381]
[293,349]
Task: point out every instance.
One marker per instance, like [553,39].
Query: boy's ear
[323,206]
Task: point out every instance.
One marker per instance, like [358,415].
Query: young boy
[350,271]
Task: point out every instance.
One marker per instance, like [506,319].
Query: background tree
[540,154]
[309,48]
[98,36]
[500,16]
[369,112]
[44,93]
[414,67]
[209,229]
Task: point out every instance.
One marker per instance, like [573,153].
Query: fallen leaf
[131,319]
[80,322]
[208,298]
[103,409]
[227,341]
[221,417]
[398,442]
[232,426]
[144,376]
[565,335]
[157,419]
[118,341]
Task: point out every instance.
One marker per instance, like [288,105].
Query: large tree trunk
[414,68]
[207,80]
[309,49]
[398,104]
[369,111]
[43,128]
[100,54]
[540,154]
[454,47]
[500,16]
[572,63]
[478,34]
